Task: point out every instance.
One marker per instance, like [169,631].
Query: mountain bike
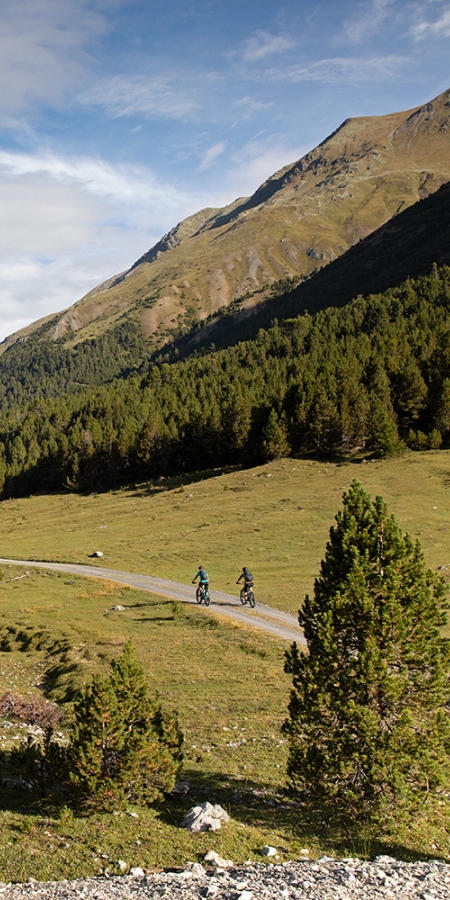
[202,595]
[247,596]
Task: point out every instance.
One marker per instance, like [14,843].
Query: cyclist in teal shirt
[203,577]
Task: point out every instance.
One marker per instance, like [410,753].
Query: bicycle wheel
[198,595]
[207,598]
[251,599]
[243,597]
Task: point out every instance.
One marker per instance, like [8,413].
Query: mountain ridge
[408,246]
[302,217]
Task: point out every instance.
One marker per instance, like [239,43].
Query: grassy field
[227,682]
[275,519]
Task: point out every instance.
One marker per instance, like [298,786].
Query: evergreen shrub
[124,746]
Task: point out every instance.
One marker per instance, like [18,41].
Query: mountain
[303,217]
[407,246]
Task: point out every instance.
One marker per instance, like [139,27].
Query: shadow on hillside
[278,812]
[173,482]
[184,480]
[404,247]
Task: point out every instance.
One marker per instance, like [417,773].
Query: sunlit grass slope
[227,684]
[275,519]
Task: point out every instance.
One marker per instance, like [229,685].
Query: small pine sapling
[123,745]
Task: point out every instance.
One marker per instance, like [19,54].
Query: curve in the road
[264,618]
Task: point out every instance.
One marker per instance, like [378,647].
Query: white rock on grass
[137,872]
[269,851]
[204,817]
[213,859]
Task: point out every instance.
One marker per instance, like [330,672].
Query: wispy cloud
[67,224]
[210,156]
[262,44]
[343,69]
[160,96]
[368,20]
[125,183]
[439,28]
[247,107]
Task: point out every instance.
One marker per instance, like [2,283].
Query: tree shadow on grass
[276,810]
[258,805]
[172,482]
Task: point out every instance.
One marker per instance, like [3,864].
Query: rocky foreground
[325,879]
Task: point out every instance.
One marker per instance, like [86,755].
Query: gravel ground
[264,618]
[326,879]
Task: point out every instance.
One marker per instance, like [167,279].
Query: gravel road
[327,879]
[264,618]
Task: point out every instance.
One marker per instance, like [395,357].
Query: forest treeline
[368,376]
[46,368]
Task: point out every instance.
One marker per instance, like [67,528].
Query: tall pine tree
[368,725]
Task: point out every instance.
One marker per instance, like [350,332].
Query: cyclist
[248,580]
[203,579]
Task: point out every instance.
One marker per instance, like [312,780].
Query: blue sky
[118,119]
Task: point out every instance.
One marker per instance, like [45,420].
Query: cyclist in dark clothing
[248,579]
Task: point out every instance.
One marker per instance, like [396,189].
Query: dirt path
[265,618]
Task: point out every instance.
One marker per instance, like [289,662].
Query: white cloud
[368,21]
[125,183]
[56,243]
[161,96]
[42,51]
[262,44]
[438,28]
[210,156]
[71,223]
[68,224]
[343,69]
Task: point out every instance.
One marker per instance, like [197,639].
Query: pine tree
[368,726]
[274,442]
[123,745]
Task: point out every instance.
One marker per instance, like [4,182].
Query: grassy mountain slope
[300,219]
[406,246]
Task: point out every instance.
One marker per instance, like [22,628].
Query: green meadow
[226,681]
[274,519]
